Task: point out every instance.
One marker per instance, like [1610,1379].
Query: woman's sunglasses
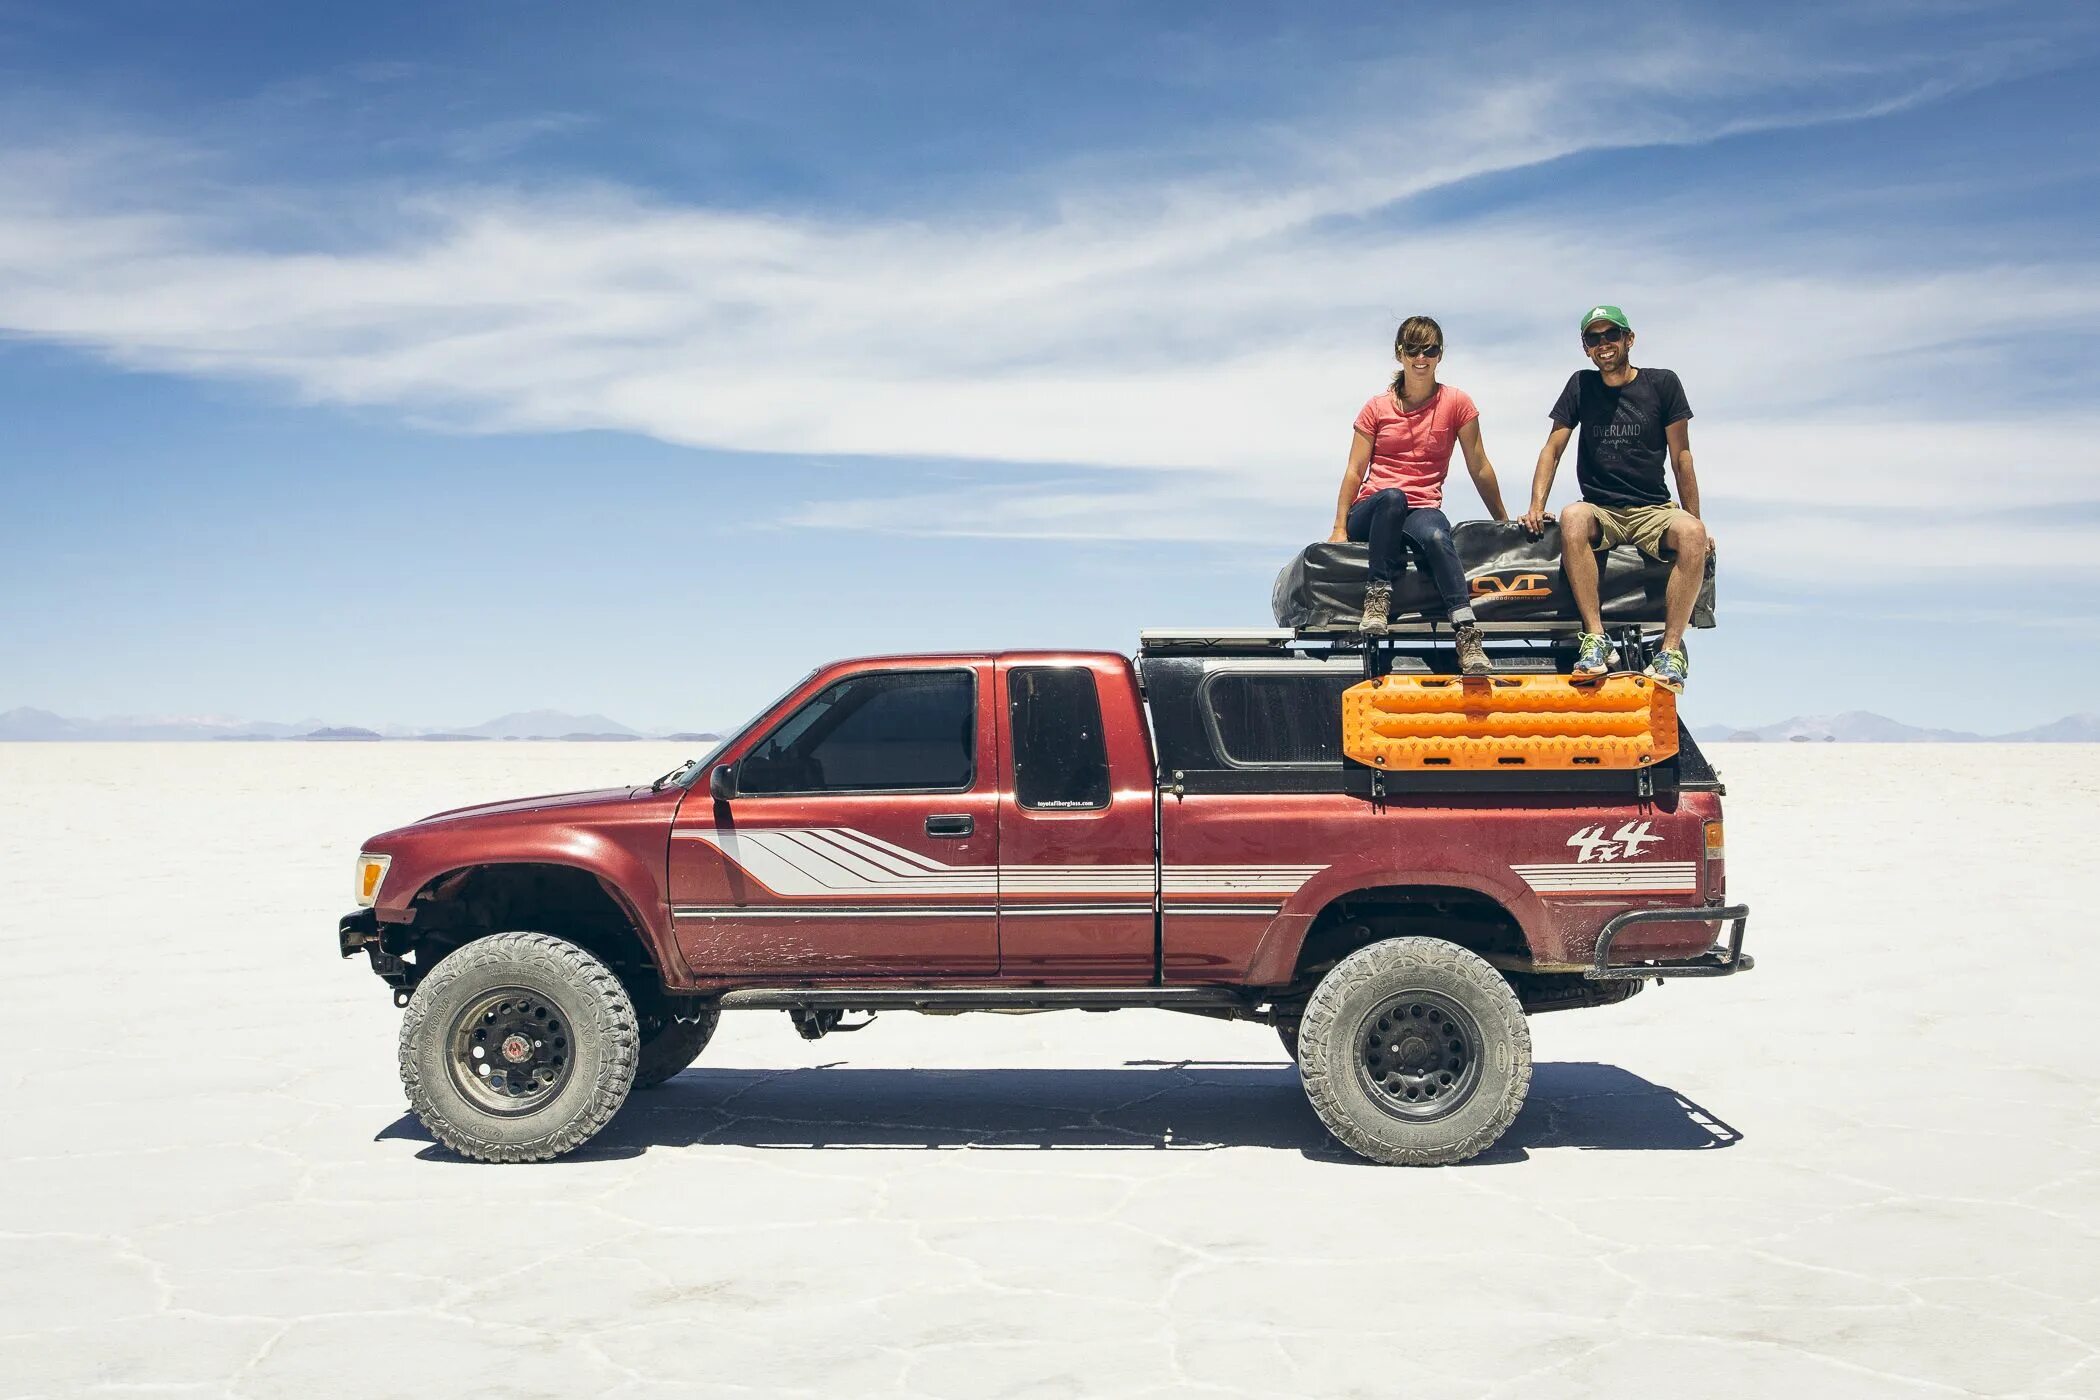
[1592,339]
[1430,351]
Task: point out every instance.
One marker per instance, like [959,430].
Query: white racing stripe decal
[975,911]
[1639,876]
[834,911]
[800,862]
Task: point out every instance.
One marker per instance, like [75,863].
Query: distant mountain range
[1865,727]
[29,724]
[1852,727]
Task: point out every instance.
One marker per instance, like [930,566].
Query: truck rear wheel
[1415,1052]
[671,1046]
[517,1048]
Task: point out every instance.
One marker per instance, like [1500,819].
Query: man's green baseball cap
[1605,313]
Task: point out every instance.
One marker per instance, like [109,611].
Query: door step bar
[987,999]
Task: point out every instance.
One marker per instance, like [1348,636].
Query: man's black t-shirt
[1619,459]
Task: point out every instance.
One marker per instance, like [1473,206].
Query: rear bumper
[1721,960]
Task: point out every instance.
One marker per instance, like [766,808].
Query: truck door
[1075,845]
[862,841]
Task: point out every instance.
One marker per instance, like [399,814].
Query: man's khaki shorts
[1640,526]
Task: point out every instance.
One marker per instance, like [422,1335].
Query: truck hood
[550,802]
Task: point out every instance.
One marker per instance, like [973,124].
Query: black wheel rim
[510,1051]
[1418,1056]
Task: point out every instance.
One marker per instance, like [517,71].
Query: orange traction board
[1492,722]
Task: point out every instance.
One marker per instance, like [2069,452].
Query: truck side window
[1263,720]
[1060,761]
[881,731]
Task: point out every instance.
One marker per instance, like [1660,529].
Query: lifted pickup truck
[1044,831]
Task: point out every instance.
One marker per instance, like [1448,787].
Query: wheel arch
[1342,918]
[584,905]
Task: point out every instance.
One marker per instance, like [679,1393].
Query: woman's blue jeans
[1391,526]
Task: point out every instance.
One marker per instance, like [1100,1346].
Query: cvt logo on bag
[1513,586]
[1626,841]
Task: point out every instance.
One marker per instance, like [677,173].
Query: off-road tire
[604,1043]
[672,1046]
[1343,1011]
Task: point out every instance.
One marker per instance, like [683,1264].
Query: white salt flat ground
[1869,1168]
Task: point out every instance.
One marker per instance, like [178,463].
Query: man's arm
[1535,518]
[1352,482]
[1481,470]
[1679,437]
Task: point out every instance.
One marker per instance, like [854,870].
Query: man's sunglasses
[1431,351]
[1592,339]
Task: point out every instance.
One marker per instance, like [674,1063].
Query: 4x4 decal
[1626,841]
[1605,864]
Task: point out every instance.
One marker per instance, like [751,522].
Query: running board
[985,998]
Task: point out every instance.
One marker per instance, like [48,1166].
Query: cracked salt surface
[1869,1168]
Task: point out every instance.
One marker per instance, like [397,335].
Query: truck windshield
[686,773]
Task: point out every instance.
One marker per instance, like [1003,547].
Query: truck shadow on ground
[1149,1105]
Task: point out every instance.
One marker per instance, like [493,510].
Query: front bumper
[360,932]
[357,931]
[1722,960]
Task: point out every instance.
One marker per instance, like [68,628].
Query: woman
[1393,489]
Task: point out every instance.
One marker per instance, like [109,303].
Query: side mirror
[721,783]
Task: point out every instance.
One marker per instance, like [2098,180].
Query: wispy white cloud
[1217,331]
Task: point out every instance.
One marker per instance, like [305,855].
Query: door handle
[955,824]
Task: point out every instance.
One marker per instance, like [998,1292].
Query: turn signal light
[371,870]
[1713,840]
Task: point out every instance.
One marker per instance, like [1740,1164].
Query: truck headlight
[371,870]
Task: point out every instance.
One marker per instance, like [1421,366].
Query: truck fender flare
[617,871]
[1277,953]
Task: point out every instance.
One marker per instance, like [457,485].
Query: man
[1630,419]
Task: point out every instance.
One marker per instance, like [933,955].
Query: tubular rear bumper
[1722,960]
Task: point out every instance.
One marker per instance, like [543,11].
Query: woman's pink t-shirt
[1413,450]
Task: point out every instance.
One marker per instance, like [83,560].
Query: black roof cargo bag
[1513,579]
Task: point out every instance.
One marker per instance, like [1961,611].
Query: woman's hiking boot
[1378,609]
[1593,654]
[1671,668]
[1472,657]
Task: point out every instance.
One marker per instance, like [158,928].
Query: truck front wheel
[517,1048]
[1415,1052]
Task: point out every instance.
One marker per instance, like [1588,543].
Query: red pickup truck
[1045,830]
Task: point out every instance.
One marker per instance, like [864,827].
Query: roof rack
[1422,627]
[1160,641]
[1155,640]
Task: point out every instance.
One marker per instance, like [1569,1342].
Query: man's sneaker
[1472,658]
[1593,654]
[1670,668]
[1378,610]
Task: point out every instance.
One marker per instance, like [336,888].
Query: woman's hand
[1352,482]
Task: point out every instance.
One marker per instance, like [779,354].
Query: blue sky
[415,363]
